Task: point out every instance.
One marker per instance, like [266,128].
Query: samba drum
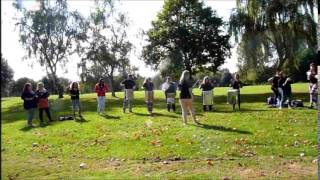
[148,96]
[207,97]
[232,96]
[171,98]
[129,94]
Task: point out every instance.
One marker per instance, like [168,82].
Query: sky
[140,13]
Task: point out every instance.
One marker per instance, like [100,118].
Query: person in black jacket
[74,92]
[206,86]
[237,84]
[274,86]
[129,86]
[170,88]
[186,97]
[29,102]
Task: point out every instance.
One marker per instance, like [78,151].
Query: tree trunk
[58,87]
[113,93]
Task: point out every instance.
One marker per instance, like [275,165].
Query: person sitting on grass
[274,87]
[148,88]
[313,84]
[101,88]
[43,102]
[206,86]
[186,97]
[74,92]
[129,86]
[29,102]
[170,89]
[236,84]
[287,92]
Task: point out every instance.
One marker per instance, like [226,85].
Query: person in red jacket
[101,90]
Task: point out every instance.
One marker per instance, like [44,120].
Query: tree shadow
[222,128]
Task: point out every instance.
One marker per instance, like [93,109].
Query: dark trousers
[205,107]
[275,93]
[171,106]
[41,114]
[238,97]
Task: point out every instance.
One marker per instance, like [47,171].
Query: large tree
[273,32]
[109,48]
[49,35]
[190,28]
[6,77]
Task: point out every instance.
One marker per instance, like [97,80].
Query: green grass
[256,143]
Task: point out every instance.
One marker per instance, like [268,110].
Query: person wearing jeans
[186,97]
[74,92]
[101,88]
[29,102]
[148,88]
[129,86]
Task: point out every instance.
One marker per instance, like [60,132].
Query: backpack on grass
[297,103]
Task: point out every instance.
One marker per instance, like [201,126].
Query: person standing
[101,89]
[29,102]
[186,97]
[281,82]
[274,87]
[287,91]
[43,102]
[149,95]
[129,86]
[170,90]
[312,76]
[207,98]
[236,84]
[74,93]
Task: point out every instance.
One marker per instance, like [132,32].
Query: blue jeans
[30,113]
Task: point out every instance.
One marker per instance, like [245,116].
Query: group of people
[280,85]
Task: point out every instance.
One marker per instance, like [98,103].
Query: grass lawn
[255,143]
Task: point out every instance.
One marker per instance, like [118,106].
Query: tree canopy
[188,28]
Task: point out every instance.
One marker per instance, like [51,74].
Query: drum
[128,94]
[148,96]
[171,98]
[232,96]
[207,97]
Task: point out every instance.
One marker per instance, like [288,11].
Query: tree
[6,77]
[18,85]
[49,35]
[273,32]
[108,48]
[191,29]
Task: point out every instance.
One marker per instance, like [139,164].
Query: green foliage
[18,85]
[255,143]
[272,33]
[190,30]
[6,77]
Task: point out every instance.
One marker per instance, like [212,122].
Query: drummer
[236,84]
[129,86]
[207,88]
[170,89]
[148,88]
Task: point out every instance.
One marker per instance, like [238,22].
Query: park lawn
[255,143]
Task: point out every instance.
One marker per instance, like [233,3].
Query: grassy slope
[257,142]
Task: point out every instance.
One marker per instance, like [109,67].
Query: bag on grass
[297,103]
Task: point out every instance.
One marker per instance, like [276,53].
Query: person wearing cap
[129,85]
[101,89]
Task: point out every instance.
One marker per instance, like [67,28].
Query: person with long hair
[170,88]
[43,102]
[101,89]
[274,87]
[29,102]
[74,92]
[129,85]
[149,95]
[313,84]
[207,98]
[186,97]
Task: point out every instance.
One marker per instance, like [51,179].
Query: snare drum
[128,94]
[171,98]
[207,97]
[232,96]
[148,96]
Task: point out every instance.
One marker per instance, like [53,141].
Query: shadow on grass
[80,120]
[27,128]
[156,114]
[110,117]
[222,128]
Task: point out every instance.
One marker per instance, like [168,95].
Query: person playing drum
[170,89]
[207,94]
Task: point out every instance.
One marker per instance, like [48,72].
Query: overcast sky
[140,13]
